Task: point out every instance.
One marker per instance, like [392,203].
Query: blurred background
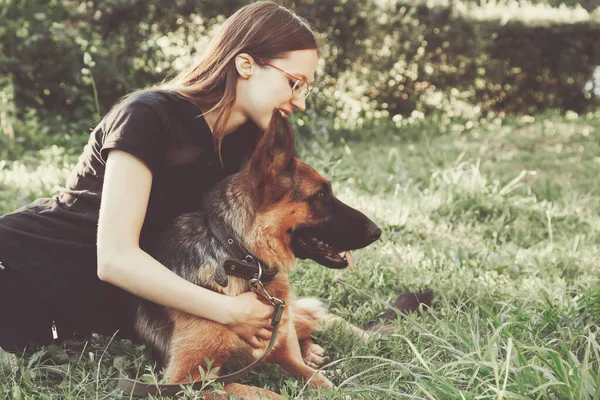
[387,65]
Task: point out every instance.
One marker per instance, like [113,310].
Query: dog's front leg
[289,357]
[310,314]
[313,354]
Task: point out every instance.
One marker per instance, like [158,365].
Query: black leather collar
[241,262]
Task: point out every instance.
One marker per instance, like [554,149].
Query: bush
[70,61]
[456,58]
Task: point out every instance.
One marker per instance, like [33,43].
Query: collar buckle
[241,262]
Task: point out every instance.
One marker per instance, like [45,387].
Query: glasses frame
[298,80]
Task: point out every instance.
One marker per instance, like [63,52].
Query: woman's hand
[250,318]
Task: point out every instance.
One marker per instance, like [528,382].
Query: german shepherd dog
[278,208]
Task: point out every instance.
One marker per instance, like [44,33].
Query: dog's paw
[314,355]
[319,381]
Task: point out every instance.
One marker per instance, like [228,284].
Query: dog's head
[296,213]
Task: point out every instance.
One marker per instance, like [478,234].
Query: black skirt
[24,318]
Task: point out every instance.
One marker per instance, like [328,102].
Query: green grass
[501,220]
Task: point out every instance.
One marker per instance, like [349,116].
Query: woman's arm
[121,262]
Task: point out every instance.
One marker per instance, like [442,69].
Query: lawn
[501,219]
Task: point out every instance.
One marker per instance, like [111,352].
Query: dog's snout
[374,232]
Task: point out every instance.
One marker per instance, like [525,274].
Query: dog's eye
[321,193]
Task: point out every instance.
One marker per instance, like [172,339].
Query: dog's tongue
[350,262]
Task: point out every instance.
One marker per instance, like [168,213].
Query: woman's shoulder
[150,104]
[152,98]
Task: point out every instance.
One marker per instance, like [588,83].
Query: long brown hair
[263,29]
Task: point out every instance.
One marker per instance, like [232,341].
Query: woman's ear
[244,63]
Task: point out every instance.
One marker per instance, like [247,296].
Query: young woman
[71,263]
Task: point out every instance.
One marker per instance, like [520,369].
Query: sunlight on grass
[40,175]
[502,222]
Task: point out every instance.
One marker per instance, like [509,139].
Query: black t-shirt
[53,241]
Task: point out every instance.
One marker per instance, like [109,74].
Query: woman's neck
[236,119]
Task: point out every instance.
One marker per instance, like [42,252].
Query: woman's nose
[300,103]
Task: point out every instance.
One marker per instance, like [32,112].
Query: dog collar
[241,262]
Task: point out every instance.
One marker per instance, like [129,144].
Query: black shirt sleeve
[138,129]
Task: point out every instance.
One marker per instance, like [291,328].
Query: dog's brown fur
[263,204]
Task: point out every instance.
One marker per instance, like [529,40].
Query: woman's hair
[263,29]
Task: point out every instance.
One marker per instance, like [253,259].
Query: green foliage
[409,59]
[69,61]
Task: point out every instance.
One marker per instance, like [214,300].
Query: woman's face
[260,89]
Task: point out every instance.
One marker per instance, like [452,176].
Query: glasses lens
[300,89]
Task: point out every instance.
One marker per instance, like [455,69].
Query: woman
[71,263]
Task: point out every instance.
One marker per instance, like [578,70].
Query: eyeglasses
[300,89]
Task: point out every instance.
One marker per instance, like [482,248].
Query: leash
[142,389]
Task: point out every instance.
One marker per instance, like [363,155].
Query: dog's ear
[271,164]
